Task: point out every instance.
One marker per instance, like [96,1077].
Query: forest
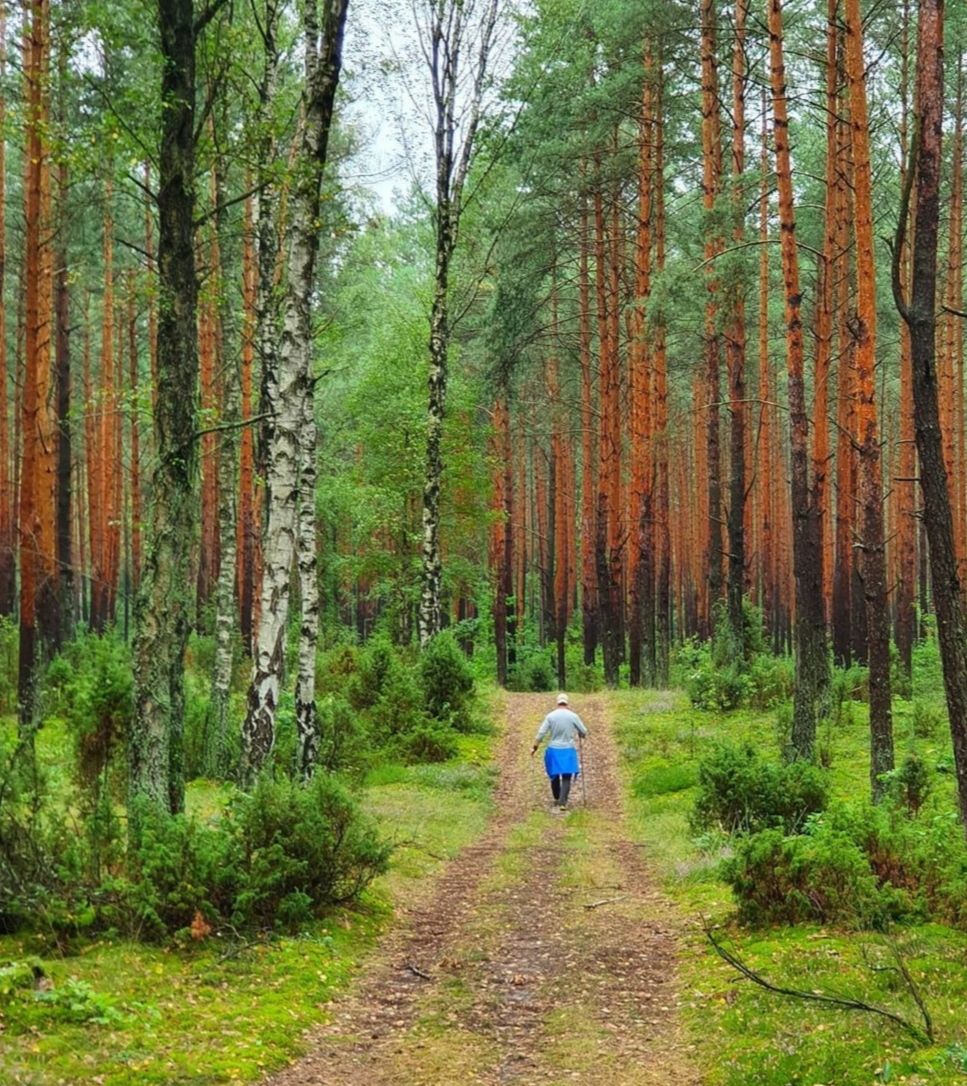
[374,375]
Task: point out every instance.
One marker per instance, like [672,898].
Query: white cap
[562,699]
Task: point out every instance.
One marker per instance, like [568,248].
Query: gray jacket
[562,726]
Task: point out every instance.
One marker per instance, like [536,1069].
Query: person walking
[562,728]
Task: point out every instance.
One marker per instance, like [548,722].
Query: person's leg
[565,788]
[556,788]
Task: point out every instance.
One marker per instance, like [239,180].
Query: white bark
[286,397]
[305,691]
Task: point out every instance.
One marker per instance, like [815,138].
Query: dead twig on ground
[417,971]
[604,901]
[923,1035]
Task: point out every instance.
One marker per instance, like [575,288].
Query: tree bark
[812,670]
[919,314]
[873,550]
[286,454]
[163,612]
[735,349]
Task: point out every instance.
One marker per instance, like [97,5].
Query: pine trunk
[873,551]
[812,672]
[921,317]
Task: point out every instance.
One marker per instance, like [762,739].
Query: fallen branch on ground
[923,1035]
[605,901]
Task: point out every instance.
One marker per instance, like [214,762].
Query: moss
[743,1035]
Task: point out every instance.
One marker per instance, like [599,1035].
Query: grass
[745,1036]
[121,1013]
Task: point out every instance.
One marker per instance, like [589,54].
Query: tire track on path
[503,975]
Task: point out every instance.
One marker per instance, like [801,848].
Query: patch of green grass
[744,1035]
[125,1014]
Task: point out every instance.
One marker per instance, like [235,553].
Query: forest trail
[544,953]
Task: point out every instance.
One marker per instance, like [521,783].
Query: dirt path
[545,954]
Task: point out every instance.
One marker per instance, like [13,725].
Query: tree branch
[924,1036]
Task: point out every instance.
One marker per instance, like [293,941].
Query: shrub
[910,784]
[378,666]
[297,849]
[534,672]
[743,793]
[276,859]
[448,685]
[771,681]
[928,720]
[91,685]
[662,778]
[343,737]
[822,877]
[425,741]
[582,678]
[717,687]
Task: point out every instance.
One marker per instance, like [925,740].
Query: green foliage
[91,686]
[717,687]
[822,876]
[297,849]
[534,673]
[9,655]
[343,737]
[425,740]
[448,685]
[662,778]
[741,792]
[721,681]
[411,709]
[911,783]
[582,678]
[929,720]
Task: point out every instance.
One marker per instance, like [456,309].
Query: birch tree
[289,402]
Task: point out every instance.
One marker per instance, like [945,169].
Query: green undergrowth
[225,1010]
[744,1035]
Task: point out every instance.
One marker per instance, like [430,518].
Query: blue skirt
[559,760]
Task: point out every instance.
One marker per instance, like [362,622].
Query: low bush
[822,877]
[275,859]
[344,741]
[717,687]
[297,849]
[663,778]
[741,792]
[448,685]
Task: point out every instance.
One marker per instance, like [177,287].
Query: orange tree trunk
[641,634]
[872,552]
[905,480]
[711,179]
[735,347]
[589,577]
[812,673]
[38,465]
[8,558]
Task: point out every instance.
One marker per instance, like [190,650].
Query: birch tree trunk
[307,730]
[216,754]
[287,396]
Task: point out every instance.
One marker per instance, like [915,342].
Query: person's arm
[541,732]
[579,724]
